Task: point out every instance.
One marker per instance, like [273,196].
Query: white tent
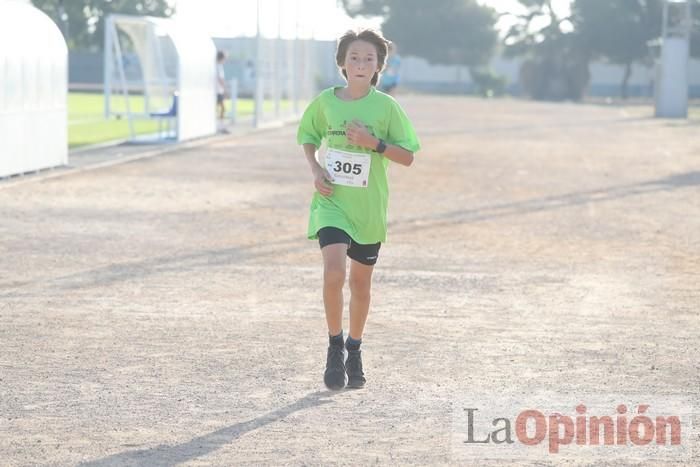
[174,60]
[33,90]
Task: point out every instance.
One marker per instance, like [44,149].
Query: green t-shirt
[360,212]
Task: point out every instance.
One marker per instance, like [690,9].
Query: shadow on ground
[202,445]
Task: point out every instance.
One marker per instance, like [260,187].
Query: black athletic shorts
[219,98]
[365,254]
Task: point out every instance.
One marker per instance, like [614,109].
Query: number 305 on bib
[348,168]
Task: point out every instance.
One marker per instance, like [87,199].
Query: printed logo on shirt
[341,131]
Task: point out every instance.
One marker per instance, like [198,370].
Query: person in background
[220,90]
[390,77]
[249,78]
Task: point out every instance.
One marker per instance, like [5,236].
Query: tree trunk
[625,80]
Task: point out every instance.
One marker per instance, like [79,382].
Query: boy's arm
[310,153]
[395,153]
[321,176]
[357,134]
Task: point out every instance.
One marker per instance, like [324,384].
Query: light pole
[63,20]
[257,116]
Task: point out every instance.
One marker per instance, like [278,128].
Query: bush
[488,83]
[554,78]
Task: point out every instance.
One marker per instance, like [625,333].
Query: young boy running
[361,129]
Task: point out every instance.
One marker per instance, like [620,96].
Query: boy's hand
[322,181]
[357,134]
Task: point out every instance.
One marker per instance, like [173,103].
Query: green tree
[555,66]
[621,31]
[82,21]
[618,30]
[446,32]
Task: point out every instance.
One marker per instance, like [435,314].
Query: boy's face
[361,62]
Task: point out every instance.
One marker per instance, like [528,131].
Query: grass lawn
[694,113]
[87,125]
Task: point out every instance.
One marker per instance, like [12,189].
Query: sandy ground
[168,311]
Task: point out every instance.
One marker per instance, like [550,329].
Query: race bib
[348,168]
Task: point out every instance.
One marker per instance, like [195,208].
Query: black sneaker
[334,377]
[353,365]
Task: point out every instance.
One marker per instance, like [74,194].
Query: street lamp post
[63,20]
[258,92]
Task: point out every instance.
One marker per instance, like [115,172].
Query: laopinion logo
[593,426]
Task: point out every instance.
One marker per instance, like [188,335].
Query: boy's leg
[333,281]
[361,267]
[360,286]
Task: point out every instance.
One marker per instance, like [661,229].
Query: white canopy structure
[33,90]
[177,76]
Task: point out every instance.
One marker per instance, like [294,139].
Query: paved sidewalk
[168,310]
[118,152]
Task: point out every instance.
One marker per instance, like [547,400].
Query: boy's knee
[360,287]
[334,277]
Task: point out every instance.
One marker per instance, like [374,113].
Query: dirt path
[168,311]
